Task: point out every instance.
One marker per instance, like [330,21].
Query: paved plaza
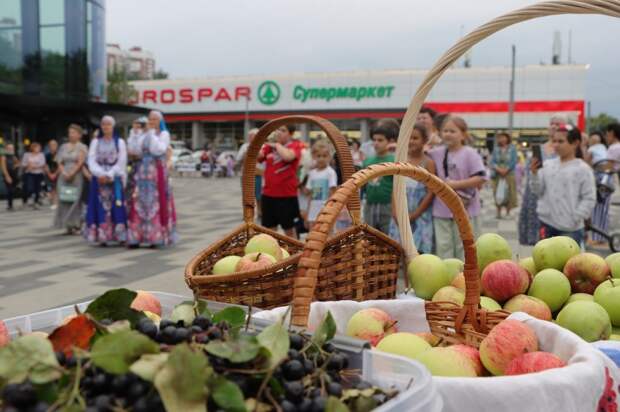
[40,268]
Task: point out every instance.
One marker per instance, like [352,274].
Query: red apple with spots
[503,279]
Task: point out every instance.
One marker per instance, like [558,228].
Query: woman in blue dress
[419,198]
[106,217]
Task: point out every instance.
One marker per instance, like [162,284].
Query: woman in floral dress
[106,217]
[152,217]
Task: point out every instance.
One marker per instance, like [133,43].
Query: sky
[200,38]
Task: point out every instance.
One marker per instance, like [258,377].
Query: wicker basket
[446,319]
[470,324]
[358,263]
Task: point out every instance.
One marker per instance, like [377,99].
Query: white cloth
[574,388]
[598,152]
[157,143]
[319,184]
[117,169]
[134,143]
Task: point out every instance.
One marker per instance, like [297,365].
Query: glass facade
[53,48]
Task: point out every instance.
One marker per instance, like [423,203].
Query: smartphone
[537,154]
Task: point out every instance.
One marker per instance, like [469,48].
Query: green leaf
[227,395]
[326,330]
[185,312]
[29,356]
[148,365]
[234,315]
[117,351]
[364,404]
[241,349]
[115,305]
[274,339]
[335,405]
[181,382]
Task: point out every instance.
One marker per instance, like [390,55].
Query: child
[419,198]
[35,168]
[461,167]
[378,207]
[322,181]
[565,187]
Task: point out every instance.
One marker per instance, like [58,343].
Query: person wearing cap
[152,217]
[106,216]
[529,225]
[71,157]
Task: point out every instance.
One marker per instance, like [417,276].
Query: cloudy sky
[198,38]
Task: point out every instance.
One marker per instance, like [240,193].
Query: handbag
[501,192]
[67,193]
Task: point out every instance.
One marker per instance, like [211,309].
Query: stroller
[604,171]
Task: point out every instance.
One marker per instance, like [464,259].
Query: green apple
[455,266]
[264,243]
[554,252]
[587,319]
[489,304]
[404,344]
[371,324]
[427,274]
[491,247]
[529,265]
[446,362]
[450,294]
[607,294]
[226,265]
[613,261]
[579,296]
[552,287]
[285,254]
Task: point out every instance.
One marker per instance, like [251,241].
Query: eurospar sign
[267,95]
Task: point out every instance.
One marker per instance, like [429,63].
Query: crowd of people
[118,192]
[559,191]
[112,192]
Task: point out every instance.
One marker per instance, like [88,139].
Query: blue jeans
[550,231]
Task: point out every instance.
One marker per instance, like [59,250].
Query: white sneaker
[53,207]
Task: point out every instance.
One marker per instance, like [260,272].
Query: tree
[119,90]
[600,122]
[160,75]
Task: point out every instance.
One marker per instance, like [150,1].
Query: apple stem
[389,326]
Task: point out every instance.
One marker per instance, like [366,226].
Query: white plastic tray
[418,392]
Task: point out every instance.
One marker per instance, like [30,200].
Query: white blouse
[106,161]
[157,143]
[134,143]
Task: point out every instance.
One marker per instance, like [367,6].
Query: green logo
[268,92]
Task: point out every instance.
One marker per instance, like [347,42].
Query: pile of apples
[511,348]
[261,251]
[579,291]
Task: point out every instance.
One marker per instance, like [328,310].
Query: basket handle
[543,9]
[307,273]
[249,165]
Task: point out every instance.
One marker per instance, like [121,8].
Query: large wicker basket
[446,319]
[470,324]
[358,263]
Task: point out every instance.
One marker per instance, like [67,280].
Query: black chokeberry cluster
[201,330]
[22,397]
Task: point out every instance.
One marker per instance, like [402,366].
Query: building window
[53,46]
[11,60]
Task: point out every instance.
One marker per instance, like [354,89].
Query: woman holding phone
[529,225]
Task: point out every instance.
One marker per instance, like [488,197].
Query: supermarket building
[219,110]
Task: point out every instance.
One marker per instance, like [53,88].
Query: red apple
[530,305]
[472,354]
[585,272]
[4,334]
[145,301]
[371,324]
[533,362]
[506,341]
[255,261]
[504,279]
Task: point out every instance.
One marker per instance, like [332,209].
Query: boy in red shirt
[279,202]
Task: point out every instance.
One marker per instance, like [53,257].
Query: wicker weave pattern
[447,320]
